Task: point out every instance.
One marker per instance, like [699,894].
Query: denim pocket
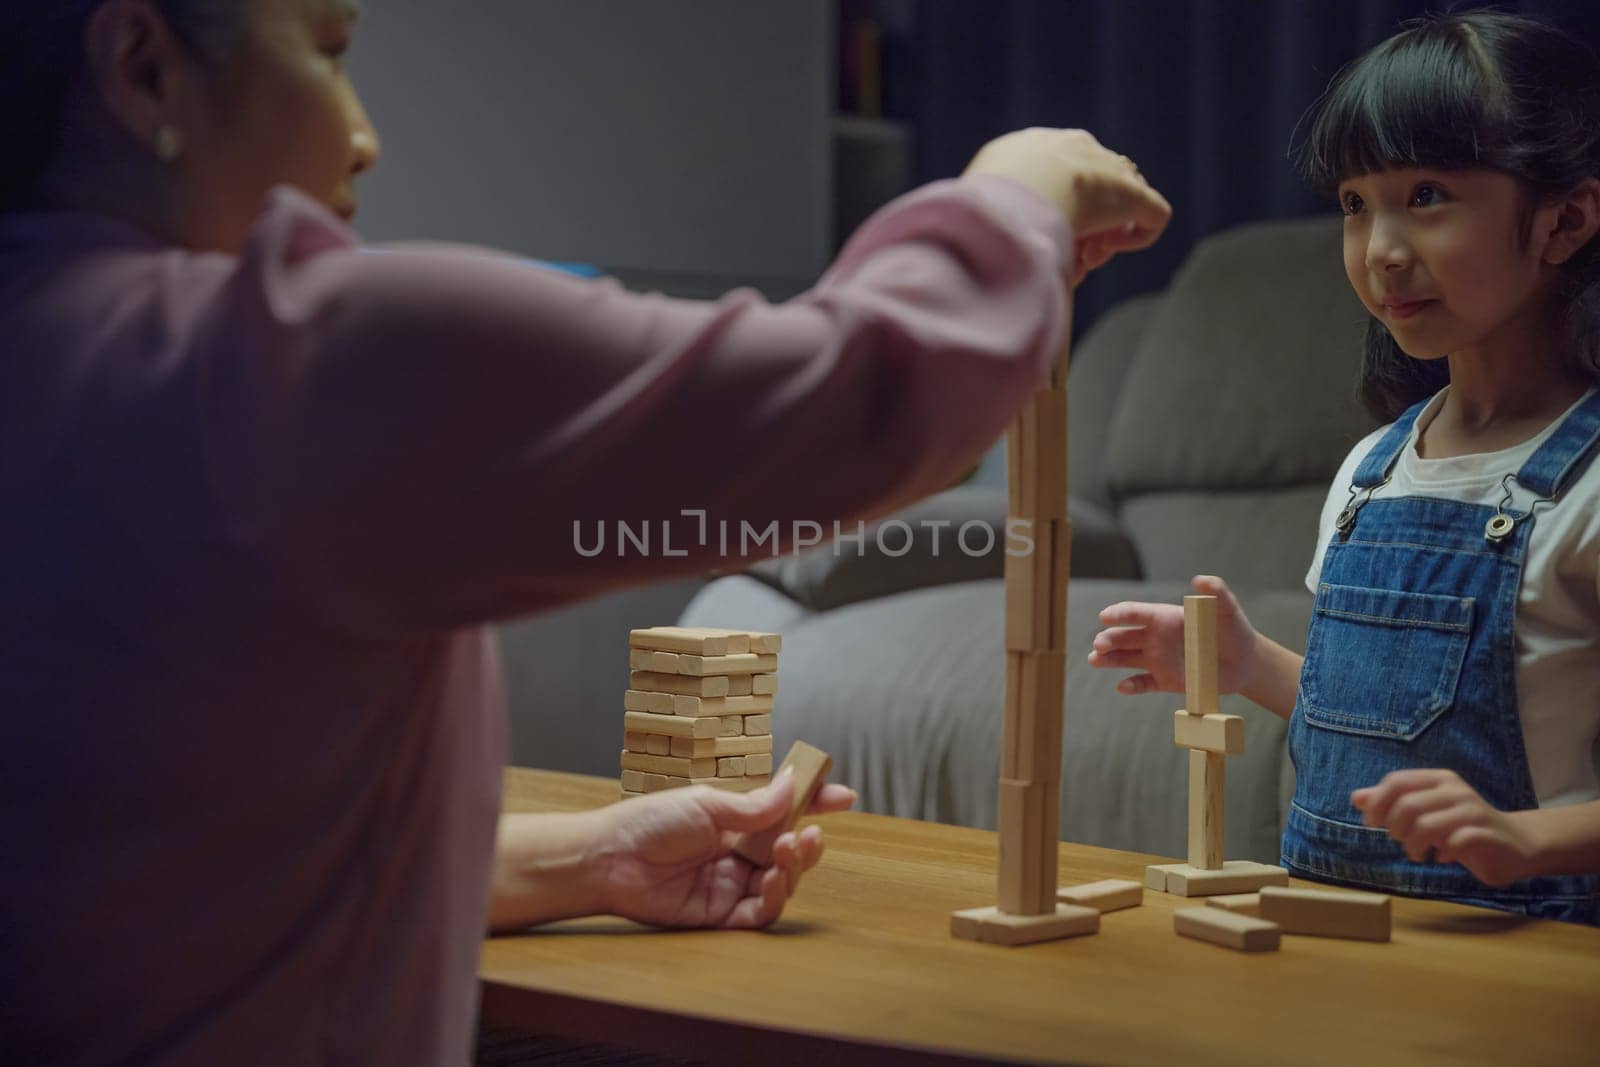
[1381,662]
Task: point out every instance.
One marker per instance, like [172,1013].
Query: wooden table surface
[862,968]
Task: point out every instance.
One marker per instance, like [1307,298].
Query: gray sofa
[1206,422]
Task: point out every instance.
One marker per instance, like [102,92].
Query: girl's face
[280,110]
[1436,256]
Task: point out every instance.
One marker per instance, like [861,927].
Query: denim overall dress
[1411,663]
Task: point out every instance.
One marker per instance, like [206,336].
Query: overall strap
[1375,467]
[1565,454]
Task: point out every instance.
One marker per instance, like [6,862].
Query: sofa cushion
[1246,377]
[1259,539]
[1099,365]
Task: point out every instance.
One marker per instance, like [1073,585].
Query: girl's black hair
[41,58]
[1474,89]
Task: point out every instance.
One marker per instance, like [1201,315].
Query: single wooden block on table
[1206,780]
[696,706]
[757,725]
[669,725]
[1235,876]
[810,766]
[1034,698]
[1223,734]
[1111,894]
[1200,654]
[730,767]
[1239,903]
[650,703]
[1328,913]
[758,763]
[1245,933]
[696,641]
[993,926]
[678,684]
[686,768]
[1036,590]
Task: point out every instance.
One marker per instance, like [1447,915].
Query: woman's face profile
[281,109]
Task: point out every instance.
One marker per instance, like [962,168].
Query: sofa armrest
[955,536]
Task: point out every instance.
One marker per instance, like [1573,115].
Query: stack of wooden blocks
[1210,738]
[698,710]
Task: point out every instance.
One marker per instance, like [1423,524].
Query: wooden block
[1206,772]
[654,782]
[757,725]
[674,781]
[651,703]
[642,659]
[995,927]
[1155,876]
[1028,846]
[685,768]
[730,767]
[670,725]
[699,642]
[758,763]
[658,744]
[1020,458]
[1036,590]
[635,740]
[766,643]
[763,684]
[682,685]
[1214,733]
[721,706]
[1200,654]
[1235,876]
[810,766]
[1245,933]
[1031,734]
[1239,903]
[629,794]
[739,785]
[633,781]
[1327,913]
[1112,894]
[1049,413]
[721,747]
[732,726]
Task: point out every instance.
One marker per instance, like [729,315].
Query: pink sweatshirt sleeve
[428,436]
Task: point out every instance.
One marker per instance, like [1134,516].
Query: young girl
[1445,720]
[262,493]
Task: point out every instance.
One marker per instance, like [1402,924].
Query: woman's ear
[1576,218]
[137,68]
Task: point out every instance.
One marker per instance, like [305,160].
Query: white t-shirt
[1557,624]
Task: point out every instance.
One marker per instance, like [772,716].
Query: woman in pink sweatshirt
[263,491]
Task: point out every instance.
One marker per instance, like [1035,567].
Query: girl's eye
[1350,203]
[1426,196]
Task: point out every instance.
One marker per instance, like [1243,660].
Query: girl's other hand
[1148,638]
[1434,811]
[1109,205]
[669,858]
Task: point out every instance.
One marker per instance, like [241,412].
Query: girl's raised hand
[1148,638]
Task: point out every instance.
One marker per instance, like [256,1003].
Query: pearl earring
[169,144]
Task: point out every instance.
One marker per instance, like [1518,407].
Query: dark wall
[1204,94]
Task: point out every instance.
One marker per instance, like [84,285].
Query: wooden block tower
[1036,631]
[1210,738]
[698,710]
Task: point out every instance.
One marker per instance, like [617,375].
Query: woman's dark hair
[1474,89]
[41,58]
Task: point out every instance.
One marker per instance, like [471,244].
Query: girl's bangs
[1422,100]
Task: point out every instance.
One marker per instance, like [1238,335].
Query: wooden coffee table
[862,968]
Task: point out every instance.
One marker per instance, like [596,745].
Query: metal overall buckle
[1347,518]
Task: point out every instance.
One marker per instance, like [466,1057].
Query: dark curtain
[1204,94]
